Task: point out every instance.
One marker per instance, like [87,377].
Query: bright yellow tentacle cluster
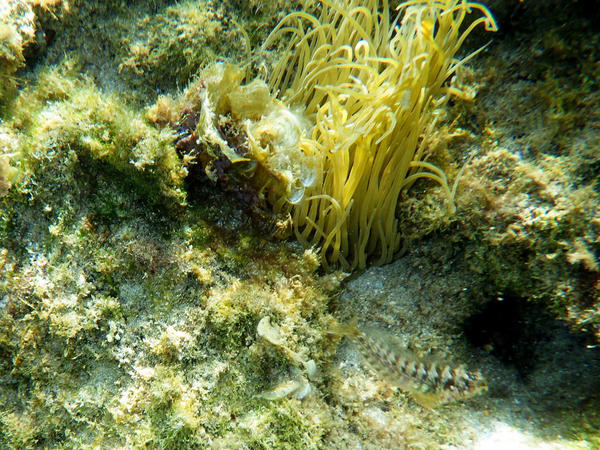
[371,86]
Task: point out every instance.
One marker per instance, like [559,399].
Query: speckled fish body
[429,383]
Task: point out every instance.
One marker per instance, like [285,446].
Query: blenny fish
[429,383]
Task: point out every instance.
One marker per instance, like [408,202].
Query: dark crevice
[560,367]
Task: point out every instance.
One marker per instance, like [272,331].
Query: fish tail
[349,329]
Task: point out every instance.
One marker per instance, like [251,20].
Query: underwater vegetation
[17,29]
[141,307]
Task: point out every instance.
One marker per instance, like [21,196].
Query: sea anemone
[343,123]
[369,86]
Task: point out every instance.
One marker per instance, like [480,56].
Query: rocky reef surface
[143,304]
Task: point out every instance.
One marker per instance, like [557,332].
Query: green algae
[17,29]
[528,197]
[129,307]
[162,382]
[98,252]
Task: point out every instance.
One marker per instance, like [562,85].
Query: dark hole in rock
[559,367]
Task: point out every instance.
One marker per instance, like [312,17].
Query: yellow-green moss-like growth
[371,87]
[17,30]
